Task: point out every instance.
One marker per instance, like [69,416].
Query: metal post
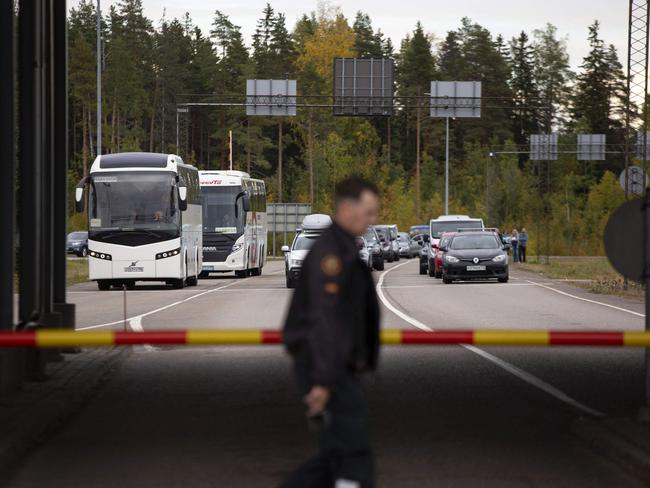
[177,140]
[280,197]
[447,168]
[60,177]
[646,215]
[8,156]
[99,78]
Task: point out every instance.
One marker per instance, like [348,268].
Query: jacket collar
[345,238]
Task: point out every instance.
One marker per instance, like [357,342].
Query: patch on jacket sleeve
[331,288]
[331,265]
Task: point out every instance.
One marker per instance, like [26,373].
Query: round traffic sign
[624,240]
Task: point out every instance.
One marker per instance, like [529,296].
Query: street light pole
[99,78]
[447,168]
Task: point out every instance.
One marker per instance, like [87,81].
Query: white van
[451,223]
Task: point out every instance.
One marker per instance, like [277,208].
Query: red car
[439,254]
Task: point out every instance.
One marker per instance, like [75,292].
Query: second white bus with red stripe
[234,223]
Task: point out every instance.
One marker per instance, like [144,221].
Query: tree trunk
[113,124]
[388,138]
[311,161]
[153,116]
[84,138]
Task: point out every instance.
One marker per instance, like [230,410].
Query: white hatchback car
[312,227]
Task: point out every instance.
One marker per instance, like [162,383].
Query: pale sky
[398,17]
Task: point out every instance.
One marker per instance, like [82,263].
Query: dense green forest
[529,87]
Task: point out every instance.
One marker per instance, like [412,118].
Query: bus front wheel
[104,285]
[241,274]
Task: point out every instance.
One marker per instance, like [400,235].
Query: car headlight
[451,259]
[168,254]
[500,258]
[296,262]
[237,247]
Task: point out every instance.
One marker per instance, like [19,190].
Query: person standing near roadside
[332,335]
[514,242]
[523,243]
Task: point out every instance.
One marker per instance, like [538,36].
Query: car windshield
[478,241]
[383,233]
[77,236]
[219,214]
[304,242]
[134,201]
[371,237]
[403,237]
[440,227]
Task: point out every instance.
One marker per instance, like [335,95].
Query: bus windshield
[440,227]
[219,210]
[134,201]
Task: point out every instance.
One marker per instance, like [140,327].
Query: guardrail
[44,338]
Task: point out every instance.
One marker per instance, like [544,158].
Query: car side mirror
[285,249]
[507,247]
[79,200]
[182,194]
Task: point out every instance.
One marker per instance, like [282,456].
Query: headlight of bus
[237,247]
[168,254]
[500,258]
[100,255]
[451,259]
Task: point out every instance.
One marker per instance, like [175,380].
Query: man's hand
[317,399]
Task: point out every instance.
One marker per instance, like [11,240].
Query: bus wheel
[104,285]
[204,274]
[241,274]
[192,281]
[178,284]
[256,271]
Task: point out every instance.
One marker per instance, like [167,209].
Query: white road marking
[506,366]
[151,312]
[620,309]
[459,286]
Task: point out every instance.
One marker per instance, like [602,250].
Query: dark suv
[77,243]
[474,255]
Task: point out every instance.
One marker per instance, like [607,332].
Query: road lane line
[170,305]
[506,366]
[620,309]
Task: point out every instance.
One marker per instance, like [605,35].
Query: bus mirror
[182,195]
[80,201]
[246,201]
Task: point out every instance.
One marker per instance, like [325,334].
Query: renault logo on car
[476,260]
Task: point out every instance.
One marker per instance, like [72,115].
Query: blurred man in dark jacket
[332,333]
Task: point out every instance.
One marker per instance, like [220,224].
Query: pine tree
[367,44]
[450,58]
[524,89]
[262,59]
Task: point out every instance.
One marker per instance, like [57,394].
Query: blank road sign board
[543,147]
[363,87]
[271,97]
[591,147]
[456,99]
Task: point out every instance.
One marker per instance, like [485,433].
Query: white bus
[144,216]
[234,223]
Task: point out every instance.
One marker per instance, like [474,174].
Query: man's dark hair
[351,188]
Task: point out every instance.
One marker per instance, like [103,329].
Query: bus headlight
[237,247]
[100,255]
[168,254]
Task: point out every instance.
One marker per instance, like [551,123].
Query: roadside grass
[593,273]
[77,271]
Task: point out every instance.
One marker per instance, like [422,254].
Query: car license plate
[208,268]
[134,269]
[476,268]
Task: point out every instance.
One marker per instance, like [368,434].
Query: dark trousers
[522,253]
[344,447]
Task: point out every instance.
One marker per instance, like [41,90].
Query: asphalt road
[444,416]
